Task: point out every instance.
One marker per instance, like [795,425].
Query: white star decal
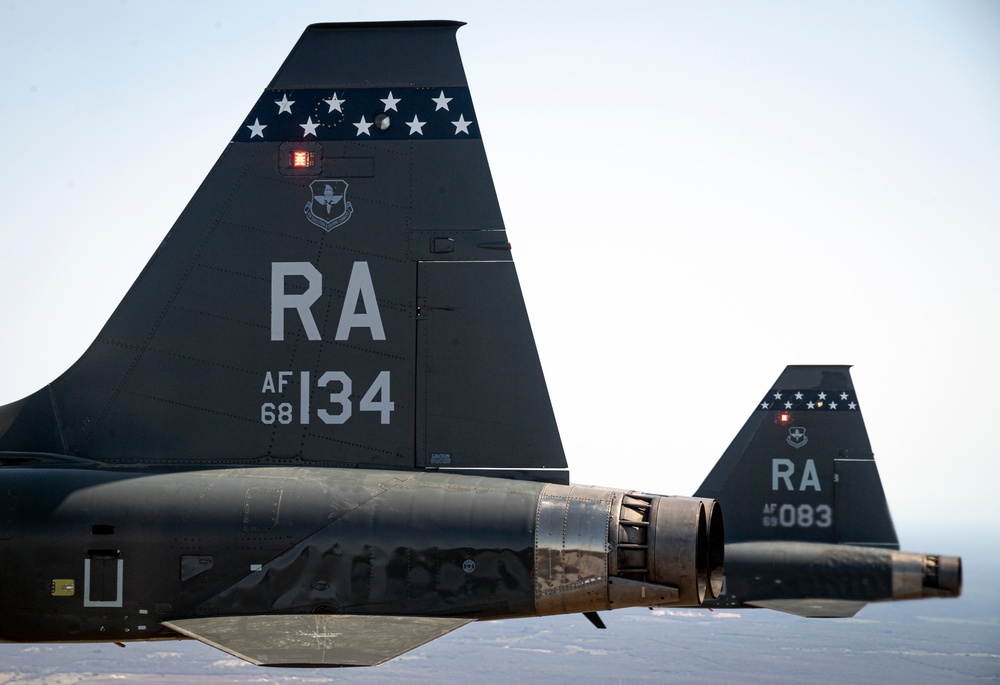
[390,102]
[777,395]
[843,395]
[833,405]
[822,395]
[309,128]
[284,104]
[798,396]
[416,125]
[809,405]
[461,125]
[852,406]
[763,405]
[441,101]
[363,127]
[788,405]
[334,103]
[257,128]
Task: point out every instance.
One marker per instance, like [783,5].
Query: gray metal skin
[808,526]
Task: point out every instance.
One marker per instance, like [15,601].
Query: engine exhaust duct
[599,549]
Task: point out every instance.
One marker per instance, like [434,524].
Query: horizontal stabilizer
[812,608]
[316,639]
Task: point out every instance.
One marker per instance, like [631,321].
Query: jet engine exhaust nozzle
[673,541]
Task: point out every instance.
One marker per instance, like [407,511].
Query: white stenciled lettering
[342,398]
[271,412]
[269,384]
[810,479]
[786,515]
[782,471]
[359,310]
[824,515]
[301,303]
[797,516]
[804,515]
[304,397]
[339,407]
[360,287]
[382,405]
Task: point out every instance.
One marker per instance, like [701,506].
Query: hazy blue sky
[697,195]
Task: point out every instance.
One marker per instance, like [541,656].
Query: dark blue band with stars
[809,400]
[360,114]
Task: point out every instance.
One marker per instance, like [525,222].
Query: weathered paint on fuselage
[771,573]
[98,553]
[291,540]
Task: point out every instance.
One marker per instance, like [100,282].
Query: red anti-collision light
[303,159]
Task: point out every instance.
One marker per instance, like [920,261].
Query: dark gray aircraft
[316,431]
[808,527]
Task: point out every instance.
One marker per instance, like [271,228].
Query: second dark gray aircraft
[316,430]
[808,526]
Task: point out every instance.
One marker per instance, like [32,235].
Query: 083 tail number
[797,516]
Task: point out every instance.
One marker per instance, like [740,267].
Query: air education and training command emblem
[328,206]
[797,437]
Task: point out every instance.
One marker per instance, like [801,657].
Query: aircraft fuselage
[110,554]
[830,580]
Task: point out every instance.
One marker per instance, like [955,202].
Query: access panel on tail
[808,528]
[340,290]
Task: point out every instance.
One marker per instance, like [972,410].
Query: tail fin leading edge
[802,468]
[340,290]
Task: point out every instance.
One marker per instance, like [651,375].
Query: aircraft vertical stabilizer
[808,529]
[340,291]
[802,468]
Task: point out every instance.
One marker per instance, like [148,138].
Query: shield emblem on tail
[797,437]
[328,206]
